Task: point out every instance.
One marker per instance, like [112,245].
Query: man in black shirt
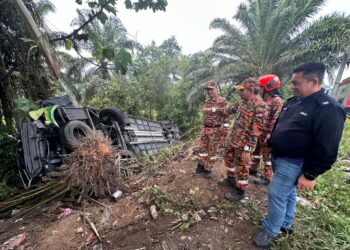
[304,143]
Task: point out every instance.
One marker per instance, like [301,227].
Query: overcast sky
[188,20]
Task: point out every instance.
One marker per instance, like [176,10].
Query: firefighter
[249,122]
[213,130]
[269,85]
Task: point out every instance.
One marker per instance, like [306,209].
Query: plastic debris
[117,195]
[79,230]
[90,238]
[14,242]
[15,211]
[66,212]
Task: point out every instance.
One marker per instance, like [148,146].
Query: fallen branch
[25,211]
[30,194]
[89,198]
[92,225]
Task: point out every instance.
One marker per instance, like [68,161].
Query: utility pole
[36,34]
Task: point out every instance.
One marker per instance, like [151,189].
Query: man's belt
[213,126]
[225,125]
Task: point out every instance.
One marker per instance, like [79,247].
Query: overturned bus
[54,130]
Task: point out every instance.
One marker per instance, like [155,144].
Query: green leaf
[68,44]
[96,54]
[111,9]
[102,2]
[92,4]
[122,60]
[102,17]
[184,226]
[99,48]
[128,4]
[27,40]
[108,53]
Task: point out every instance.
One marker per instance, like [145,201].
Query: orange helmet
[269,82]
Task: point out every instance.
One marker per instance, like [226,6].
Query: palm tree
[78,79]
[22,70]
[43,8]
[83,76]
[200,68]
[105,41]
[271,36]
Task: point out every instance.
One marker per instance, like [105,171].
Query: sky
[188,20]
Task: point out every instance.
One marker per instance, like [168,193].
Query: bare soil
[223,225]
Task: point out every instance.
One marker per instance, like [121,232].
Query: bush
[8,165]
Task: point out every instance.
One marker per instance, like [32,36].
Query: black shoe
[263,240]
[262,181]
[236,195]
[287,230]
[229,181]
[199,170]
[208,174]
[253,172]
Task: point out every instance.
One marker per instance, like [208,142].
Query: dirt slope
[192,203]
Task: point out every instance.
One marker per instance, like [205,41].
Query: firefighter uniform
[270,84]
[262,150]
[213,130]
[248,126]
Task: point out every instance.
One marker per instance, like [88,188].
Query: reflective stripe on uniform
[203,154]
[213,158]
[256,156]
[242,182]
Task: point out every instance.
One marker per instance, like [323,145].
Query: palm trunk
[150,112]
[44,45]
[104,69]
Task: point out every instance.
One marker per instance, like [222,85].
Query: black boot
[253,172]
[236,195]
[287,230]
[263,240]
[199,170]
[208,174]
[229,181]
[262,181]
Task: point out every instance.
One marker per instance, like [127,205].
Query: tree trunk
[340,74]
[104,69]
[44,45]
[6,102]
[341,68]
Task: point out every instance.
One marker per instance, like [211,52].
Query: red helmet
[269,82]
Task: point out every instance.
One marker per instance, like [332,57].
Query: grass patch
[182,205]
